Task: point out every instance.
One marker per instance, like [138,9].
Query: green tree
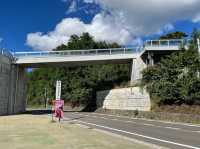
[79,83]
[174,35]
[176,79]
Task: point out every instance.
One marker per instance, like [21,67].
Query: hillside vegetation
[79,83]
[176,79]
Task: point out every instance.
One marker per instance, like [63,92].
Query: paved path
[171,135]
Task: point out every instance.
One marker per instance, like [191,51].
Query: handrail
[79,52]
[166,42]
[110,51]
[6,53]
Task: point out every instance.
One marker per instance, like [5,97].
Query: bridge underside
[45,61]
[75,63]
[152,57]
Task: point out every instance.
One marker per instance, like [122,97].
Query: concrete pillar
[150,59]
[133,72]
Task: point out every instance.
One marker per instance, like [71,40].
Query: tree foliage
[174,35]
[176,79]
[79,83]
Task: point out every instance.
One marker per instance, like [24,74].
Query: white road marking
[172,128]
[139,135]
[145,124]
[176,123]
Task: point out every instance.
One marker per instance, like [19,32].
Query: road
[170,135]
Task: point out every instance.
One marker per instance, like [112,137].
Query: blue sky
[31,24]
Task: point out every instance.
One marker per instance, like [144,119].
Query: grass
[38,132]
[155,115]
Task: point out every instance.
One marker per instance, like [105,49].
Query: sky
[27,25]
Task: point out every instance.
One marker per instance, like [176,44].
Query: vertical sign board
[58,90]
[58,103]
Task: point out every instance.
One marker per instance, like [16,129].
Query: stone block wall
[124,99]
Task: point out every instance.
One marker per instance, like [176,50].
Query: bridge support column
[150,59]
[137,65]
[133,72]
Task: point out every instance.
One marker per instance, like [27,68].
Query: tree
[176,79]
[174,35]
[79,84]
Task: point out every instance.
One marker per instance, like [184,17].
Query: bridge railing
[6,53]
[166,43]
[79,52]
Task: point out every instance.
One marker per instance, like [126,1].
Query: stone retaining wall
[124,99]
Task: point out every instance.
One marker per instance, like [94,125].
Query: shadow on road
[43,111]
[38,112]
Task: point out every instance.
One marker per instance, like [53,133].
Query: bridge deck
[94,55]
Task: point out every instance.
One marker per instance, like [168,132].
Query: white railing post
[151,43]
[168,43]
[110,51]
[124,50]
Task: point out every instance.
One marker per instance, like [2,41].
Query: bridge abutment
[12,87]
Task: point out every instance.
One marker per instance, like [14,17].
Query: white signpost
[58,90]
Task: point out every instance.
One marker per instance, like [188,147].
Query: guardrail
[168,43]
[149,43]
[78,52]
[6,53]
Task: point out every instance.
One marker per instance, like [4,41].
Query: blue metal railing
[78,52]
[148,43]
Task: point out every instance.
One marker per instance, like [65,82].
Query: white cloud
[144,17]
[101,28]
[126,22]
[72,8]
[196,18]
[89,1]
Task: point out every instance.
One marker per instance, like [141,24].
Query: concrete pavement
[171,135]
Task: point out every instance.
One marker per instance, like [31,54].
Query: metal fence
[168,43]
[79,52]
[6,53]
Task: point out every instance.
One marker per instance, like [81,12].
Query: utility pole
[45,97]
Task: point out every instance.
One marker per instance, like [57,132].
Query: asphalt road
[170,135]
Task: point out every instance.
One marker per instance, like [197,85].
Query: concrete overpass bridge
[13,65]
